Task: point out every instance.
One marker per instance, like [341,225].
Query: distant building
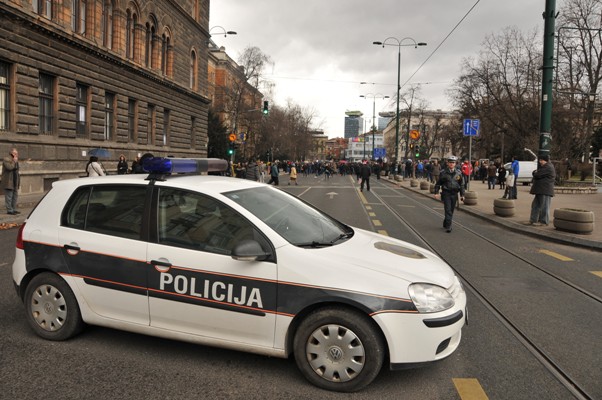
[361,147]
[335,148]
[384,119]
[354,124]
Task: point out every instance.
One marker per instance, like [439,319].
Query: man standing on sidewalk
[11,181]
[543,189]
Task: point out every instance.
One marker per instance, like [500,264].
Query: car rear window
[115,210]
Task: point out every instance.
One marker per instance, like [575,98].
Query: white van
[525,171]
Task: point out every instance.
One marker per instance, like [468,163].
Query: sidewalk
[484,209]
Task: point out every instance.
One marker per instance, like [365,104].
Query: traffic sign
[232,137]
[415,134]
[472,127]
[379,152]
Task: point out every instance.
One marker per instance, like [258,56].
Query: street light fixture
[392,41]
[374,97]
[223,31]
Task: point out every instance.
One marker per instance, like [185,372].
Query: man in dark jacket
[450,183]
[543,189]
[365,174]
[11,180]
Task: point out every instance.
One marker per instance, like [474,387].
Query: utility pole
[545,128]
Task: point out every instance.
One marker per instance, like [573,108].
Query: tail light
[20,238]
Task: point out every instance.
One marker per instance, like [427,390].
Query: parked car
[525,171]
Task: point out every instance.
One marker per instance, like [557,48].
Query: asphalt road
[107,364]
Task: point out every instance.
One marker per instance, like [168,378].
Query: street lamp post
[373,128]
[399,44]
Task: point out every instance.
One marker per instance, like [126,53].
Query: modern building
[384,119]
[354,124]
[128,77]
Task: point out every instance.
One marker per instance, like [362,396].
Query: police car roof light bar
[166,166]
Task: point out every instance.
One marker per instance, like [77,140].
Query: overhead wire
[440,44]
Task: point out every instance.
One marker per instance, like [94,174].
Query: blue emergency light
[166,166]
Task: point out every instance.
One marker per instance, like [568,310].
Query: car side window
[115,210]
[194,221]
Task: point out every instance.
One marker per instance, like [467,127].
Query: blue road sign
[379,152]
[472,127]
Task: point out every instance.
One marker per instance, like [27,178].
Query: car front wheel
[52,310]
[339,349]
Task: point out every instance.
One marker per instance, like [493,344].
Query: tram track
[537,351]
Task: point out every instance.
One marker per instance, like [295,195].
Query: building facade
[126,76]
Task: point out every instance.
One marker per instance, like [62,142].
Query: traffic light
[417,150]
[266,109]
[411,146]
[231,148]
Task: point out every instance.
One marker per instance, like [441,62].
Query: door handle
[161,266]
[72,249]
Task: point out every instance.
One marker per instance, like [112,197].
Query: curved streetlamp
[392,41]
[223,31]
[374,97]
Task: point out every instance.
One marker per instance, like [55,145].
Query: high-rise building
[354,123]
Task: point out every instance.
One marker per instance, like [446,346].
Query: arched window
[164,45]
[130,40]
[150,43]
[193,70]
[106,25]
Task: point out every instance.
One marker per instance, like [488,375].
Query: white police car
[236,264]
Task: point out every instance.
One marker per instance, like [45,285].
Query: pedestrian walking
[94,168]
[122,165]
[436,171]
[450,183]
[11,181]
[501,177]
[252,172]
[543,189]
[292,176]
[365,174]
[491,175]
[508,193]
[466,171]
[274,174]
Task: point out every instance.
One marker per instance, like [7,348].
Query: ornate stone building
[126,76]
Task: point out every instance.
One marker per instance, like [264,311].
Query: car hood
[370,251]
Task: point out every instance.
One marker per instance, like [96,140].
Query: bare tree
[579,65]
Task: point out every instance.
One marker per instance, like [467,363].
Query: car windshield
[296,221]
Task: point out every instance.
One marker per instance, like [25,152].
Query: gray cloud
[323,49]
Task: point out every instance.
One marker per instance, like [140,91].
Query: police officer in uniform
[450,183]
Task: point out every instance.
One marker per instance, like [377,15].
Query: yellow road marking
[556,255]
[597,273]
[383,232]
[363,198]
[469,389]
[368,207]
[372,214]
[377,222]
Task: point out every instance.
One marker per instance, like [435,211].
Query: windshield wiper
[342,236]
[315,243]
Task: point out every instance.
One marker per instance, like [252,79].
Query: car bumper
[422,338]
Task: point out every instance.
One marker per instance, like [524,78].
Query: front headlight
[430,298]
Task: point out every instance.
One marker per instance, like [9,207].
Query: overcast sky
[322,49]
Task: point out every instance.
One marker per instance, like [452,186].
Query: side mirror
[249,250]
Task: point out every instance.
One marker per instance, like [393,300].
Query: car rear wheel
[339,349]
[52,310]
